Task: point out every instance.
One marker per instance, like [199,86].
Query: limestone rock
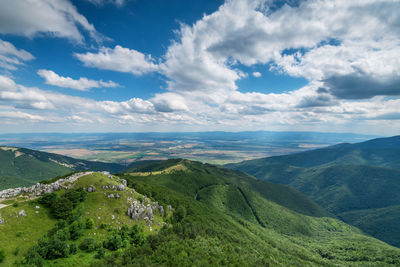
[22,213]
[91,189]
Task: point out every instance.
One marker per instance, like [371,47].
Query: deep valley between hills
[334,206]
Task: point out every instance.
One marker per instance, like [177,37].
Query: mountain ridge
[344,179]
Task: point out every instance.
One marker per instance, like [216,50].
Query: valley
[323,207]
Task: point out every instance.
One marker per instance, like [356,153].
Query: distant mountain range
[24,167]
[359,183]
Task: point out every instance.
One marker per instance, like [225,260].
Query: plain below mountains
[24,167]
[359,183]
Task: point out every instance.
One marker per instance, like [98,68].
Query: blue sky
[156,65]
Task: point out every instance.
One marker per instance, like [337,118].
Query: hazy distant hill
[23,167]
[354,181]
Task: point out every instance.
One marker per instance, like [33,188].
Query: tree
[113,241]
[76,229]
[61,208]
[75,196]
[47,199]
[89,223]
[88,244]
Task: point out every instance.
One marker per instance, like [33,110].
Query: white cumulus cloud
[11,57]
[119,59]
[82,84]
[58,18]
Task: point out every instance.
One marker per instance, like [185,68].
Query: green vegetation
[228,218]
[218,217]
[43,237]
[24,167]
[357,182]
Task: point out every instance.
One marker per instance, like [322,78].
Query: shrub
[100,253]
[88,244]
[76,229]
[75,196]
[53,248]
[113,241]
[136,235]
[33,257]
[2,256]
[61,208]
[179,214]
[73,249]
[103,225]
[89,223]
[47,199]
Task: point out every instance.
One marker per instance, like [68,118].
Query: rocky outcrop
[39,189]
[22,213]
[144,210]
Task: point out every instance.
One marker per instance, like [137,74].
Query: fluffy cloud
[11,57]
[257,74]
[347,50]
[44,17]
[169,102]
[82,84]
[119,59]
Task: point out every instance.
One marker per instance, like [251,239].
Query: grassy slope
[34,226]
[25,167]
[227,204]
[343,178]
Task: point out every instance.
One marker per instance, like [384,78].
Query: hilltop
[24,167]
[32,222]
[200,215]
[356,182]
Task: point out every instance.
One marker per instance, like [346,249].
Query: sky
[234,65]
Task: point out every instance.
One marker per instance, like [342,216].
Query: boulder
[22,213]
[91,189]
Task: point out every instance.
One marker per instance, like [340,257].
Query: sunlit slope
[264,222]
[19,233]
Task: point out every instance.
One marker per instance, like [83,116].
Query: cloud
[257,74]
[356,86]
[82,84]
[347,50]
[21,115]
[169,102]
[118,3]
[7,84]
[11,57]
[44,17]
[320,100]
[119,59]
